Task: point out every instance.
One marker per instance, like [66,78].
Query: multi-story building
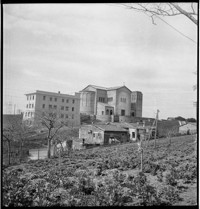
[66,107]
[119,101]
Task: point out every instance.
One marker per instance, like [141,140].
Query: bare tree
[52,121]
[189,10]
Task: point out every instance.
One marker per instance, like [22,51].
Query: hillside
[107,176]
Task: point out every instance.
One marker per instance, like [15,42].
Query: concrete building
[101,133]
[66,107]
[105,102]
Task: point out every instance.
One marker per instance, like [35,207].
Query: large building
[66,107]
[119,101]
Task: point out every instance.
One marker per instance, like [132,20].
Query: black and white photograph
[99,104]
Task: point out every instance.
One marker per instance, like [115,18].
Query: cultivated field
[108,176]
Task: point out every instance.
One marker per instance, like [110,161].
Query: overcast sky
[65,47]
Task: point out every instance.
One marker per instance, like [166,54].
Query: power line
[177,30]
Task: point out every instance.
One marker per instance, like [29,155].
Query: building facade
[66,107]
[121,101]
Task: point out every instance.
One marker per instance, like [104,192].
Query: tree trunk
[49,148]
[8,152]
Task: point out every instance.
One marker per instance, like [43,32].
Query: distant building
[115,101]
[189,128]
[66,107]
[101,133]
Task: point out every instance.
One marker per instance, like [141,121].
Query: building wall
[87,102]
[123,101]
[72,116]
[136,101]
[103,109]
[191,127]
[91,134]
[112,94]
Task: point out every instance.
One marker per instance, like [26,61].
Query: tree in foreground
[189,10]
[53,123]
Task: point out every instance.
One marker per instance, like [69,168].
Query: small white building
[190,128]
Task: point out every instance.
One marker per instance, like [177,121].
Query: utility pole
[156,128]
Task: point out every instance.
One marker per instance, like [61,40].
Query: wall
[87,102]
[123,93]
[112,93]
[103,107]
[104,118]
[136,100]
[86,132]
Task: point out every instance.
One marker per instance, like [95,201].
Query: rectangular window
[73,101]
[66,108]
[67,100]
[110,99]
[133,134]
[72,108]
[55,99]
[50,98]
[62,107]
[66,116]
[26,114]
[50,106]
[55,107]
[29,105]
[32,105]
[43,106]
[33,97]
[63,100]
[72,116]
[44,97]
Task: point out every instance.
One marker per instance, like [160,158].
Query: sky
[65,47]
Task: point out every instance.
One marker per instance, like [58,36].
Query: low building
[189,128]
[65,106]
[101,133]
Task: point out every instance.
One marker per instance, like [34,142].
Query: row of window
[30,106]
[55,107]
[29,114]
[123,100]
[101,99]
[55,99]
[61,115]
[30,97]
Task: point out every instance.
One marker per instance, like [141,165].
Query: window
[123,100]
[62,107]
[31,114]
[28,114]
[62,115]
[32,105]
[107,112]
[50,98]
[110,99]
[55,107]
[44,97]
[43,106]
[50,106]
[27,97]
[67,100]
[133,134]
[72,108]
[101,99]
[66,116]
[66,108]
[63,100]
[55,99]
[33,97]
[72,116]
[27,106]
[73,101]
[93,134]
[102,112]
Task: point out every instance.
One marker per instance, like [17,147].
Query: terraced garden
[108,176]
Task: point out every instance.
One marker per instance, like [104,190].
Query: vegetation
[105,176]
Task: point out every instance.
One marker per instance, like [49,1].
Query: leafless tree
[189,10]
[53,122]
